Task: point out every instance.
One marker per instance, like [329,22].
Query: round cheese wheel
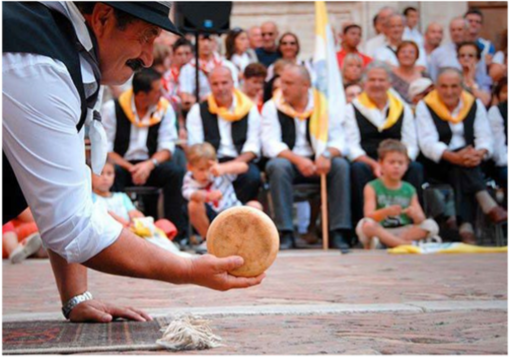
[245,232]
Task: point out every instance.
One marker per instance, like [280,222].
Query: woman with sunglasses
[469,55]
[288,49]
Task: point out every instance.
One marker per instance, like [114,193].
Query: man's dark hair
[408,9]
[142,81]
[374,20]
[255,70]
[474,11]
[351,26]
[499,86]
[181,41]
[123,18]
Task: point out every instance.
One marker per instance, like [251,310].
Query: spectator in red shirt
[351,38]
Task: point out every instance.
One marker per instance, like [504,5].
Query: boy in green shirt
[393,215]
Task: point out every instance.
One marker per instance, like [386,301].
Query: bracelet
[74,301]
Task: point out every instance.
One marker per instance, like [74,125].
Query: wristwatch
[155,162]
[74,301]
[326,154]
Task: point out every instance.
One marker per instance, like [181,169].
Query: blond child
[208,187]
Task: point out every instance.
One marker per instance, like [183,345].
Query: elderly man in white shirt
[379,24]
[286,141]
[499,118]
[455,137]
[394,37]
[375,115]
[141,130]
[54,59]
[230,122]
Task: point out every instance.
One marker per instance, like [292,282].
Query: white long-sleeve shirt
[227,148]
[272,144]
[428,136]
[500,155]
[41,108]
[137,149]
[378,118]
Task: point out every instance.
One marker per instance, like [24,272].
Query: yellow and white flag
[329,97]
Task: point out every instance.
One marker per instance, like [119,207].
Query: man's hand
[100,312]
[306,167]
[323,165]
[141,172]
[376,169]
[211,272]
[394,210]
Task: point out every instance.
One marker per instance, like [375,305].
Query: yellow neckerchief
[435,103]
[125,101]
[287,109]
[243,105]
[396,108]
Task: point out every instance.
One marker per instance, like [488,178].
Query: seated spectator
[286,123]
[406,71]
[207,61]
[352,68]
[469,55]
[419,89]
[162,58]
[288,48]
[268,53]
[253,84]
[274,83]
[230,122]
[236,48]
[21,239]
[454,135]
[498,118]
[141,132]
[377,114]
[379,24]
[393,214]
[208,187]
[352,90]
[499,65]
[182,54]
[121,208]
[395,32]
[446,55]
[474,18]
[411,29]
[255,37]
[351,38]
[433,39]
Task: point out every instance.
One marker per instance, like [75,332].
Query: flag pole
[324,207]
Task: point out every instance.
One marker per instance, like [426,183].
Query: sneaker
[434,239]
[202,248]
[32,244]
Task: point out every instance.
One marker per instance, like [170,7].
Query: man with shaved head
[286,141]
[446,55]
[268,53]
[433,38]
[455,137]
[230,122]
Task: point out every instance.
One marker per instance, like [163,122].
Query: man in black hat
[55,57]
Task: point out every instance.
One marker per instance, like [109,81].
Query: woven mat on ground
[59,337]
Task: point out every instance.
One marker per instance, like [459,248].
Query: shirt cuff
[355,152]
[167,146]
[275,149]
[250,147]
[437,151]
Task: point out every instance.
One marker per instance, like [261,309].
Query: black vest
[370,137]
[503,109]
[212,130]
[123,133]
[288,129]
[444,131]
[32,28]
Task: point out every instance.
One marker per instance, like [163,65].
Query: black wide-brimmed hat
[154,12]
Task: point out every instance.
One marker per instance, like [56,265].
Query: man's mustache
[135,64]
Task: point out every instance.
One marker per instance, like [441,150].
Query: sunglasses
[293,43]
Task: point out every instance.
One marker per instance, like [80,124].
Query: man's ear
[101,17]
